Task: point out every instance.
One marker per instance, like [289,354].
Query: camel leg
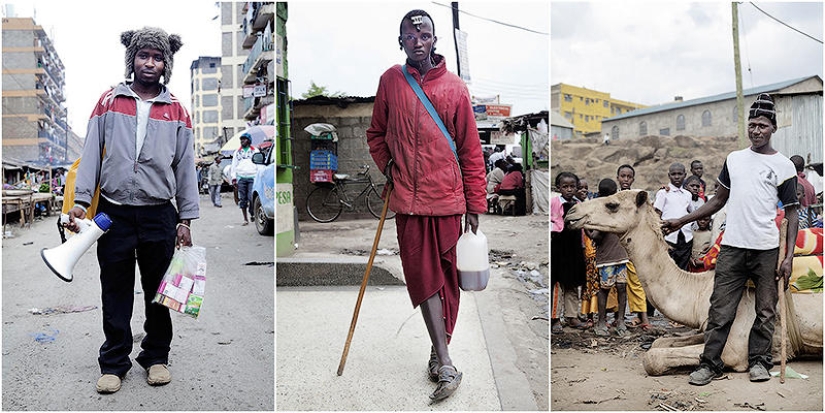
[669,342]
[658,361]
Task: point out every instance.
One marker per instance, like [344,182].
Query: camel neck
[679,295]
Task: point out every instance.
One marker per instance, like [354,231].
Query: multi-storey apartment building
[247,68]
[585,108]
[34,113]
[206,87]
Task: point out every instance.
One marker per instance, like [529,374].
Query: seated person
[513,182]
[808,218]
[495,177]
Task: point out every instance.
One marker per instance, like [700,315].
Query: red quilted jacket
[427,179]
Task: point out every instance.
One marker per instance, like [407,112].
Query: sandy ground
[593,373]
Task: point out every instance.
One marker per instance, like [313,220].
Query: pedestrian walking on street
[752,182]
[243,175]
[214,180]
[139,151]
[434,182]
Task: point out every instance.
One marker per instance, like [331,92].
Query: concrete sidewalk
[386,365]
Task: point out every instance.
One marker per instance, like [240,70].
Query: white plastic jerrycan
[473,261]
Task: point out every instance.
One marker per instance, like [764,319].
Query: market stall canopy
[259,134]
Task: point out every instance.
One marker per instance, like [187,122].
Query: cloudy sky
[346,46]
[87,38]
[649,52]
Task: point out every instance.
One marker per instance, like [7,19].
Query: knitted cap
[763,106]
[154,38]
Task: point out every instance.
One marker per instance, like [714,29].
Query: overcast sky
[86,35]
[649,52]
[346,46]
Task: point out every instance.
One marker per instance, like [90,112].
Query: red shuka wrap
[428,257]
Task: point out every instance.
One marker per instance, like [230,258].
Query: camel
[684,297]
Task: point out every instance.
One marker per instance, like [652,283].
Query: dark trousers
[681,251]
[245,194]
[147,235]
[734,267]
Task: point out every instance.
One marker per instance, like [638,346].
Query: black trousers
[145,235]
[734,267]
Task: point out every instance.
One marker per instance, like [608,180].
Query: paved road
[222,361]
[499,345]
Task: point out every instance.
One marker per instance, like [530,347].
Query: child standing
[701,244]
[567,266]
[674,203]
[636,297]
[611,262]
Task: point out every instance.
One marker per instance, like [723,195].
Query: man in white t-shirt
[752,182]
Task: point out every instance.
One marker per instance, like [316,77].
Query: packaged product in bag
[183,283]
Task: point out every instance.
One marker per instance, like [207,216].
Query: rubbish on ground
[63,309]
[760,406]
[267,263]
[225,342]
[42,337]
[384,251]
[28,243]
[790,373]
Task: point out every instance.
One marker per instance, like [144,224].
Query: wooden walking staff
[783,324]
[366,278]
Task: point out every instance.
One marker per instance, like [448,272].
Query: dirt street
[594,373]
[517,288]
[52,330]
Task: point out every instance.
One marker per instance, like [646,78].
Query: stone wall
[351,123]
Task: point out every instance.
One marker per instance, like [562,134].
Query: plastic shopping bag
[183,283]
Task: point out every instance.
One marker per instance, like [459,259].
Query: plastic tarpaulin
[540,187]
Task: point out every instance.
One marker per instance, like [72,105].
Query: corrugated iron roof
[326,100]
[709,99]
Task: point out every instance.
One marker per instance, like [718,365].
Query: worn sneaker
[759,373]
[158,375]
[108,383]
[703,375]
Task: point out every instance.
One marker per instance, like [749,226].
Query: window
[706,118]
[587,118]
[568,115]
[568,97]
[210,116]
[680,122]
[642,128]
[607,104]
[614,133]
[210,83]
[210,100]
[618,111]
[587,101]
[664,132]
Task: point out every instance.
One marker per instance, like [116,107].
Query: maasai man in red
[432,187]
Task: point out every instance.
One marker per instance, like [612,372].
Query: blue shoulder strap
[430,109]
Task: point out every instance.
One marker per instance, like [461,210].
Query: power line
[785,24]
[494,21]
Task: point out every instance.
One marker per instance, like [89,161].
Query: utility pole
[740,99]
[455,37]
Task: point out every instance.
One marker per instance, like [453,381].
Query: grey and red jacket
[165,167]
[427,179]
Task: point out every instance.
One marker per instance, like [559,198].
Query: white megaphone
[61,260]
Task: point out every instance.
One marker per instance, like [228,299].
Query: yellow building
[586,108]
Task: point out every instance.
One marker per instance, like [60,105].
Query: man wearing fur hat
[139,151]
[752,182]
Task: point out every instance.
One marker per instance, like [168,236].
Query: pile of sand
[650,156]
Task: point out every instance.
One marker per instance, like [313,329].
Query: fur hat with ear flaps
[155,38]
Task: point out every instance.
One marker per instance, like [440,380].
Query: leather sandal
[432,366]
[448,380]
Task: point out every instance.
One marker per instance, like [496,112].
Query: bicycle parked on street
[326,202]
